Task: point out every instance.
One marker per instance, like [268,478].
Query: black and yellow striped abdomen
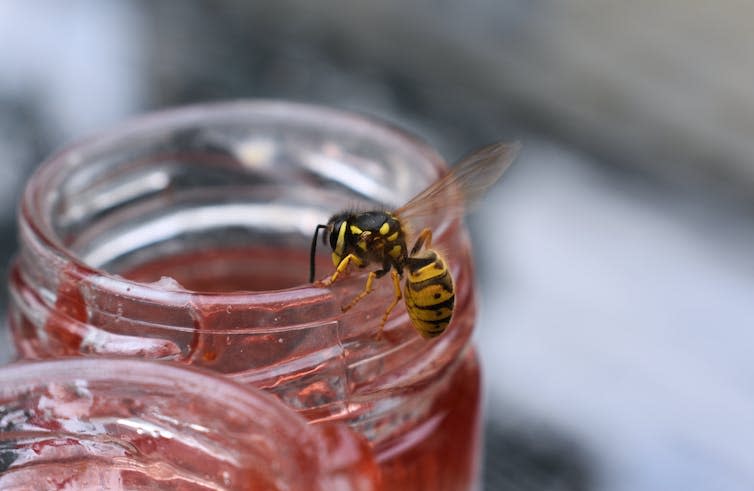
[429,293]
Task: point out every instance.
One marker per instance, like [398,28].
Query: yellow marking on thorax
[362,244]
[395,252]
[393,237]
[385,228]
[356,230]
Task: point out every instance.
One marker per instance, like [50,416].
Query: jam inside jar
[184,236]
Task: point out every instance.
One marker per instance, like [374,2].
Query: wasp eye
[334,232]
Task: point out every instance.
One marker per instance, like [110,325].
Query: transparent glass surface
[185,236]
[131,424]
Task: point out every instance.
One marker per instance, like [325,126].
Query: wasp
[378,237]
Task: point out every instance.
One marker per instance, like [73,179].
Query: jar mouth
[153,378]
[35,210]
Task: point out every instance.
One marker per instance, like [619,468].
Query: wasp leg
[368,287]
[397,296]
[342,266]
[423,240]
[367,290]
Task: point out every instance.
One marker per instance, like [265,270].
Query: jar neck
[116,234]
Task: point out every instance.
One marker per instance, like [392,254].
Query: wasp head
[334,233]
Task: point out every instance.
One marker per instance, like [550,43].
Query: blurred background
[615,259]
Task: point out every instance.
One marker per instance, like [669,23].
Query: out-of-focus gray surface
[638,347]
[614,259]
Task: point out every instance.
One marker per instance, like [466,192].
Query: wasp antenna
[313,252]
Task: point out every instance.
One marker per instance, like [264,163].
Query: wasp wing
[463,186]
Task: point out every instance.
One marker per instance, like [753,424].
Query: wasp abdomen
[429,293]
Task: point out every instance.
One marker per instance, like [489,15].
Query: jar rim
[169,376]
[69,156]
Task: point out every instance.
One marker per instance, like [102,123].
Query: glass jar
[134,424]
[185,236]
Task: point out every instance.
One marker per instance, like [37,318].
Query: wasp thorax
[367,237]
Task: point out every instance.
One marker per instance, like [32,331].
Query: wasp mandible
[379,237]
